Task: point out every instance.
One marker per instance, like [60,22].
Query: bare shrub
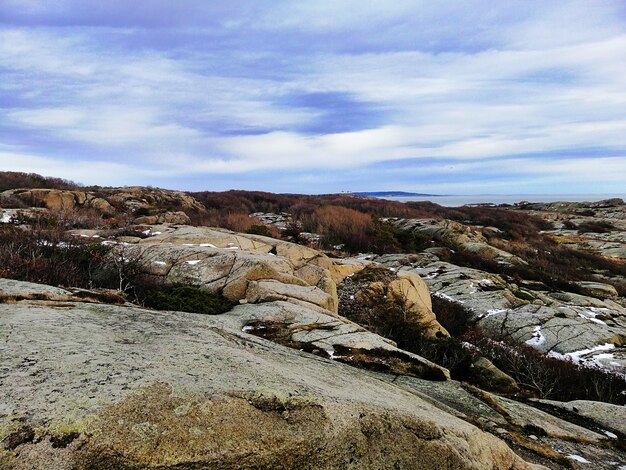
[549,377]
[49,256]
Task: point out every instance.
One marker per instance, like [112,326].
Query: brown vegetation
[19,180]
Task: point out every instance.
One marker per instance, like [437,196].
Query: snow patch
[331,354]
[193,262]
[610,434]
[441,295]
[159,263]
[578,356]
[538,338]
[591,315]
[578,458]
[492,312]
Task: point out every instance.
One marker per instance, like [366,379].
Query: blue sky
[454,97]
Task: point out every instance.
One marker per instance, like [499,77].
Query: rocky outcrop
[454,235]
[567,325]
[553,436]
[243,267]
[598,227]
[60,200]
[151,205]
[291,287]
[99,386]
[379,292]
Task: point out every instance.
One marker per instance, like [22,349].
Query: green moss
[186,298]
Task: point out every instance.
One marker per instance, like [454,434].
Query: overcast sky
[455,97]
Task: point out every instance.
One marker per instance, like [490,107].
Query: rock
[269,291]
[410,290]
[112,386]
[178,218]
[598,289]
[342,268]
[127,199]
[227,262]
[609,416]
[516,421]
[10,287]
[457,235]
[378,291]
[489,377]
[574,326]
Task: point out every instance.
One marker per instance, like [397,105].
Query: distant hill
[20,180]
[392,194]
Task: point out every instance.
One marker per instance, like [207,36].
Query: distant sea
[459,200]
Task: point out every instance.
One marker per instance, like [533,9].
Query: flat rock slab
[99,386]
[10,287]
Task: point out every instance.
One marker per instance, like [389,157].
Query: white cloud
[550,79]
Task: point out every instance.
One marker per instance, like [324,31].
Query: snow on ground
[193,262]
[538,338]
[578,458]
[495,311]
[591,313]
[441,295]
[581,356]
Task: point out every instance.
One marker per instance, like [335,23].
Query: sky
[442,97]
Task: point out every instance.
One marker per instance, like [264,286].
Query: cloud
[459,89]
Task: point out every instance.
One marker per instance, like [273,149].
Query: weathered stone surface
[525,426]
[490,377]
[10,287]
[609,416]
[580,327]
[120,387]
[455,234]
[60,200]
[178,217]
[378,290]
[342,268]
[612,212]
[231,272]
[598,289]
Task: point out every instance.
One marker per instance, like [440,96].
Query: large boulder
[240,275]
[379,292]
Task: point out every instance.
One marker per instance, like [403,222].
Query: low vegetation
[536,373]
[19,180]
[182,298]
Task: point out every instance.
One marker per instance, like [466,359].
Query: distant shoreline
[497,199]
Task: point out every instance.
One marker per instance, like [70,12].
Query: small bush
[549,377]
[452,316]
[259,229]
[182,298]
[596,226]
